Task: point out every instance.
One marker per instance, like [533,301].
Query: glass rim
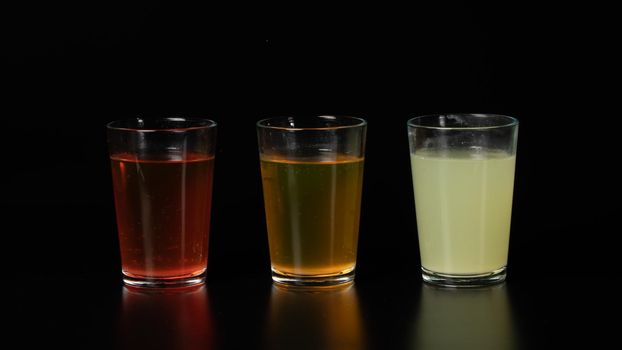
[510,121]
[208,124]
[361,123]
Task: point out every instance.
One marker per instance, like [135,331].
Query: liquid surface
[464,206]
[163,214]
[312,214]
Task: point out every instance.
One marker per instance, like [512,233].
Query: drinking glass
[312,175]
[463,177]
[162,172]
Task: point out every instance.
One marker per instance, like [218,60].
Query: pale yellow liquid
[464,205]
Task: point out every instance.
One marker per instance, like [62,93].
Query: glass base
[463,281]
[313,280]
[170,282]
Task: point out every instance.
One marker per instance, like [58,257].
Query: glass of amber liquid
[312,175]
[162,172]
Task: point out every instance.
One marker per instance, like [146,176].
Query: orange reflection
[314,318]
[478,318]
[171,318]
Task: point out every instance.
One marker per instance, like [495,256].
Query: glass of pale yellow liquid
[312,176]
[463,178]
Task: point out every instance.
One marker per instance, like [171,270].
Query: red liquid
[163,215]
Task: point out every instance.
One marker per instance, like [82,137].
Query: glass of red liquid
[162,171]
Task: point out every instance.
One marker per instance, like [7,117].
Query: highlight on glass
[463,177]
[162,171]
[312,175]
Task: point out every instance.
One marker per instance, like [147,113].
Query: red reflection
[178,318]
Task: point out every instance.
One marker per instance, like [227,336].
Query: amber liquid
[163,215]
[312,214]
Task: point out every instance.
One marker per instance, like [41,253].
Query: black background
[68,69]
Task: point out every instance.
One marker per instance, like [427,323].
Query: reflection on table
[177,318]
[478,318]
[314,318]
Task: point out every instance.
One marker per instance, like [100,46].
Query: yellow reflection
[314,318]
[478,318]
[171,318]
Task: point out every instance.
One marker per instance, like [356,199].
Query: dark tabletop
[250,312]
